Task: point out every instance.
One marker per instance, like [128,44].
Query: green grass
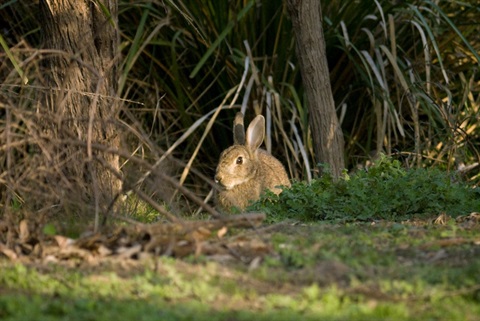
[386,271]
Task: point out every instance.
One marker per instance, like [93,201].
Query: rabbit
[244,170]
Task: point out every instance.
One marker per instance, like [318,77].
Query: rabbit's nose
[220,186]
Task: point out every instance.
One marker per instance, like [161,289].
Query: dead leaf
[8,252]
[128,252]
[200,234]
[50,259]
[23,231]
[221,232]
[104,251]
[255,263]
[469,221]
[442,219]
[63,241]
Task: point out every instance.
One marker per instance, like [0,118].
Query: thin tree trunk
[327,135]
[82,75]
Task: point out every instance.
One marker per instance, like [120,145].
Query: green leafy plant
[383,191]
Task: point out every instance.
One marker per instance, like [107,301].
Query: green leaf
[14,62]
[220,38]
[49,229]
[454,28]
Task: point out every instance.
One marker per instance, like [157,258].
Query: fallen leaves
[469,221]
[465,221]
[25,241]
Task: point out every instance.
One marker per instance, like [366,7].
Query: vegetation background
[404,76]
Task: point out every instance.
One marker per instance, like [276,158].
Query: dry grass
[36,166]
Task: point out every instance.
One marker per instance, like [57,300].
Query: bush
[383,191]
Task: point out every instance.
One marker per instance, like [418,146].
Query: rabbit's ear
[238,130]
[256,133]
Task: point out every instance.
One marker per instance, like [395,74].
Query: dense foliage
[383,191]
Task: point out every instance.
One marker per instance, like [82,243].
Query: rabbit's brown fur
[245,171]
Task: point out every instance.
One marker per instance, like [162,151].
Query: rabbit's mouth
[221,186]
[225,185]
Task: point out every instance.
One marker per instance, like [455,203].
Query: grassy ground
[359,271]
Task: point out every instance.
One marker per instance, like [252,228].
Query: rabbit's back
[273,173]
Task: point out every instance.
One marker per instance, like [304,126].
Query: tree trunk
[327,135]
[80,110]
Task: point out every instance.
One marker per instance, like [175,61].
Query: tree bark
[82,40]
[328,143]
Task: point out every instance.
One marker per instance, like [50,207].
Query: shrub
[383,191]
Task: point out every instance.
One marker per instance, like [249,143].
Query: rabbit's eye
[239,160]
